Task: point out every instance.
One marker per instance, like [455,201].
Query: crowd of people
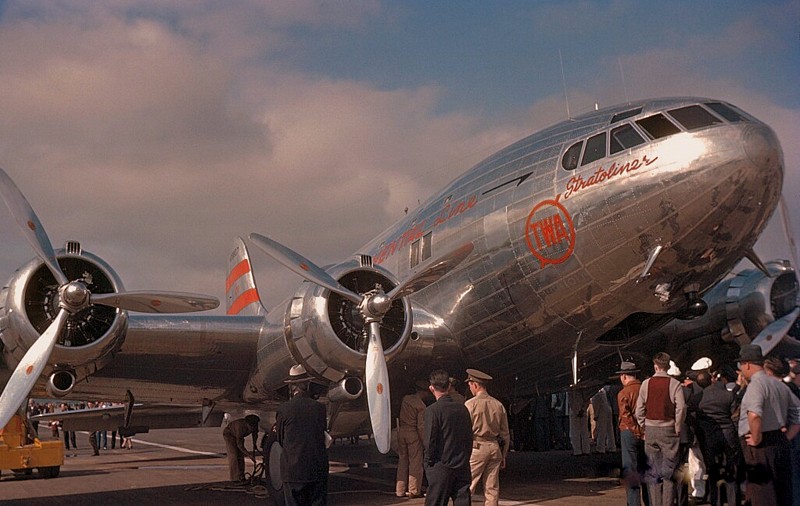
[459,444]
[718,434]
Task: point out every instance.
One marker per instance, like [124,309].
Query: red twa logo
[550,233]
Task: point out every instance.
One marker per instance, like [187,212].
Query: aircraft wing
[143,417]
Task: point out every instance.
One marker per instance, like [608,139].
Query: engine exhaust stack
[349,389]
[60,383]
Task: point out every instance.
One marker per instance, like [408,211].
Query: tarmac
[188,466]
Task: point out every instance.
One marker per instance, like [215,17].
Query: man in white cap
[490,437]
[696,462]
[301,423]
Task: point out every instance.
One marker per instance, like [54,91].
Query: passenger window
[420,250]
[658,126]
[570,159]
[693,117]
[725,111]
[426,246]
[595,148]
[414,258]
[624,137]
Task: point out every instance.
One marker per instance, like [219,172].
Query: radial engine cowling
[90,337]
[740,307]
[325,332]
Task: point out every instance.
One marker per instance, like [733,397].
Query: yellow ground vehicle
[21,456]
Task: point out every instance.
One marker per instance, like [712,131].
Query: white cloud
[155,150]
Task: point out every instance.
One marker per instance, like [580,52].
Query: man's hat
[297,374]
[751,353]
[673,370]
[701,364]
[478,376]
[627,368]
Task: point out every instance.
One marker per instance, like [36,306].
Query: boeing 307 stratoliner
[536,264]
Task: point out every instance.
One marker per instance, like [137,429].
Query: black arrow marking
[519,181]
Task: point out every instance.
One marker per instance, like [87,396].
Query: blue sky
[156,131]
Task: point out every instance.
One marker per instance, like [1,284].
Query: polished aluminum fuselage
[558,263]
[704,196]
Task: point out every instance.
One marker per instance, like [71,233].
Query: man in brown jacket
[410,433]
[631,435]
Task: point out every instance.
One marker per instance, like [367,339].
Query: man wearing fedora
[410,433]
[301,423]
[661,409]
[490,437]
[767,423]
[631,435]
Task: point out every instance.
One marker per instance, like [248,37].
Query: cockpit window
[693,117]
[570,159]
[595,148]
[625,115]
[658,126]
[725,111]
[624,137]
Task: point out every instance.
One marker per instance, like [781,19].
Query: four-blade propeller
[373,306]
[73,296]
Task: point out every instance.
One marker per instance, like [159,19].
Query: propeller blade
[156,302]
[432,273]
[29,369]
[30,225]
[302,266]
[774,333]
[377,375]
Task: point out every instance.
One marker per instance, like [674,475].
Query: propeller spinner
[73,296]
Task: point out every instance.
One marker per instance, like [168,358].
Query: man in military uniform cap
[490,436]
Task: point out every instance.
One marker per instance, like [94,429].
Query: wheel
[49,472]
[272,462]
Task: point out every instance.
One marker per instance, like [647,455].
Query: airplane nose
[761,145]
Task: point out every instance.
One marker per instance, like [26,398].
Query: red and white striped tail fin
[241,294]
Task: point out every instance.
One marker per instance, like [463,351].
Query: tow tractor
[21,453]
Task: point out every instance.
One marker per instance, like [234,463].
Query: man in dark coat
[719,443]
[448,446]
[301,424]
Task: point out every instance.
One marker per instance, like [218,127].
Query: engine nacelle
[89,338]
[325,332]
[738,309]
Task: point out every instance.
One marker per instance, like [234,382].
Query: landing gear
[271,450]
